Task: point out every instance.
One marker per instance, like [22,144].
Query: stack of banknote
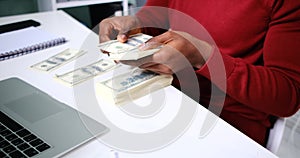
[58,60]
[129,50]
[124,88]
[87,72]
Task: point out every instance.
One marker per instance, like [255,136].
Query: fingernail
[143,46]
[122,36]
[149,45]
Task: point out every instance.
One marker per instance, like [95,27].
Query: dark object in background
[101,11]
[18,25]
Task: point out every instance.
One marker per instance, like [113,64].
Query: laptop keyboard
[18,142]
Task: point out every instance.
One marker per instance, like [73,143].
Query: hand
[121,27]
[180,50]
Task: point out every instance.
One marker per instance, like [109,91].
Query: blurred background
[89,15]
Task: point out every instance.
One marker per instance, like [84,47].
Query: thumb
[125,34]
[122,37]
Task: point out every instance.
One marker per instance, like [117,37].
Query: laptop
[33,124]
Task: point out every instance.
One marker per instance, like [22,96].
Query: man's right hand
[120,27]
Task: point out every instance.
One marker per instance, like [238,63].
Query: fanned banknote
[82,74]
[58,60]
[128,50]
[121,89]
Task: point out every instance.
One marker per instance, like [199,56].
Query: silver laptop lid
[57,125]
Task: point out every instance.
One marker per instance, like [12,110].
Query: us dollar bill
[124,88]
[82,74]
[58,60]
[128,50]
[127,81]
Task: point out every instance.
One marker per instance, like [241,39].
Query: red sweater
[260,45]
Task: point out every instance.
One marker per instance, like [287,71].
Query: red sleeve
[153,16]
[274,87]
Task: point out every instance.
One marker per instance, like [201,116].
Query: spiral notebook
[26,41]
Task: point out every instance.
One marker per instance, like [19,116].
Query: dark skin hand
[179,49]
[120,27]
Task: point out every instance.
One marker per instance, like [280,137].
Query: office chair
[276,135]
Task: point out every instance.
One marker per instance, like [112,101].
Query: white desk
[222,141]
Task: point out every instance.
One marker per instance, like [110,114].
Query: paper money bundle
[128,50]
[129,86]
[84,73]
[58,60]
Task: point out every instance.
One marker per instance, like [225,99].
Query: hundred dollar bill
[58,60]
[128,50]
[87,72]
[124,82]
[121,89]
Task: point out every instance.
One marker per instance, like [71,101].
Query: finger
[122,38]
[149,45]
[124,34]
[106,31]
[104,38]
[146,65]
[156,58]
[163,38]
[160,69]
[156,42]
